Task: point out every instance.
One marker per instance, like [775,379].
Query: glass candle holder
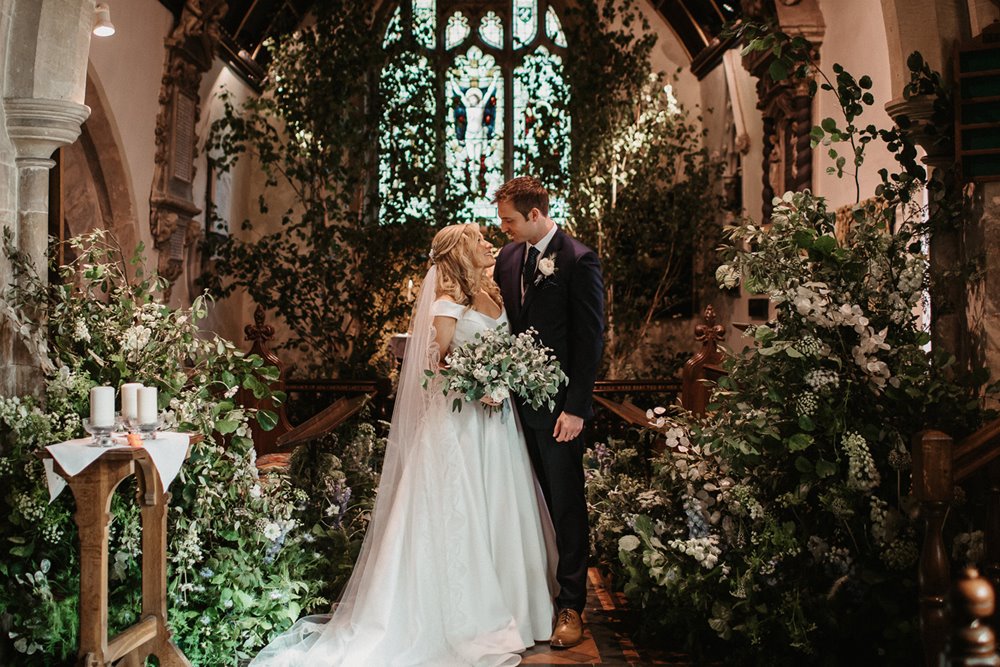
[145,431]
[100,434]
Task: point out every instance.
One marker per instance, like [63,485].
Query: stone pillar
[946,256]
[36,127]
[43,71]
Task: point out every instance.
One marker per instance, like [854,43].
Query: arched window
[482,86]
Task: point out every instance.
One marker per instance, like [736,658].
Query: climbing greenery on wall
[353,135]
[643,191]
[324,261]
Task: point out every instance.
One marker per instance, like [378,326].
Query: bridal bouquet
[498,364]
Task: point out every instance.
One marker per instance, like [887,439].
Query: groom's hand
[567,427]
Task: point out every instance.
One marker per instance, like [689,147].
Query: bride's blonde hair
[453,251]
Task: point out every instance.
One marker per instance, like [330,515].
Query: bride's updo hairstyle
[453,251]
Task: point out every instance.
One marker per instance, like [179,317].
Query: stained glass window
[553,28]
[457,30]
[394,30]
[525,18]
[491,109]
[425,21]
[491,30]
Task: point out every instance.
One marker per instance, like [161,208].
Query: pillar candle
[102,406]
[148,412]
[130,399]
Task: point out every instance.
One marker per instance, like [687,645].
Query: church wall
[855,38]
[670,58]
[129,66]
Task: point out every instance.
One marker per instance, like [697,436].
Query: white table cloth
[167,452]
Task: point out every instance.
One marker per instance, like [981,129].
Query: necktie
[530,265]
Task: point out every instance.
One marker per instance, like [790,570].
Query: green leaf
[225,426]
[23,551]
[825,468]
[799,441]
[806,424]
[267,419]
[804,238]
[829,124]
[778,71]
[825,244]
[802,464]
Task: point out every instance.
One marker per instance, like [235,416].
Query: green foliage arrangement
[779,529]
[238,558]
[643,190]
[334,268]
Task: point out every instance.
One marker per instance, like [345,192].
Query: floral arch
[475,89]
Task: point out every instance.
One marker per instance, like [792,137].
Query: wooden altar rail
[284,436]
[938,465]
[695,386]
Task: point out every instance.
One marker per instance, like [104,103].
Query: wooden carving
[694,390]
[786,105]
[190,49]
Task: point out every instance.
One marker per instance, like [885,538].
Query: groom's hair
[525,193]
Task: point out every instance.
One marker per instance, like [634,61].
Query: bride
[456,566]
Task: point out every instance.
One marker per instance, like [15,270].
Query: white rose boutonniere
[546,267]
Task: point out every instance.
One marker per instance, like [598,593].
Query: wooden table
[93,488]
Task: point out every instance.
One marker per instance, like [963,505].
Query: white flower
[628,543]
[272,531]
[81,332]
[727,276]
[547,265]
[255,491]
[499,394]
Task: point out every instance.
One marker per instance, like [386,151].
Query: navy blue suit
[567,311]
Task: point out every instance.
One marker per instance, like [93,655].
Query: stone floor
[607,641]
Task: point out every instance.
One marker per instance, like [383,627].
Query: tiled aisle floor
[607,642]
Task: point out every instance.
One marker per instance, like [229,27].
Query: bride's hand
[486,400]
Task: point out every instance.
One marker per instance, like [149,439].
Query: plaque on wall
[185,116]
[977,108]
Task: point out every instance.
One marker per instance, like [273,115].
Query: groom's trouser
[559,467]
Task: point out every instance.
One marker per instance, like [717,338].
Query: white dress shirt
[542,246]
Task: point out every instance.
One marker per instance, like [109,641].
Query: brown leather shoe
[569,630]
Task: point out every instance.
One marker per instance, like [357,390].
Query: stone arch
[96,184]
[47,58]
[932,27]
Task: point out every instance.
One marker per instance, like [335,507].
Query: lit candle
[409,290]
[102,406]
[147,405]
[130,399]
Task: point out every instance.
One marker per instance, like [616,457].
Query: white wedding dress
[457,571]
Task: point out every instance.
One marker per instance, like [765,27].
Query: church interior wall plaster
[128,66]
[861,47]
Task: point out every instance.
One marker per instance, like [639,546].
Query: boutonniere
[546,267]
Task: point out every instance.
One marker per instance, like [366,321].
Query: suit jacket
[567,311]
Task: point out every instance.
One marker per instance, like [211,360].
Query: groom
[553,283]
